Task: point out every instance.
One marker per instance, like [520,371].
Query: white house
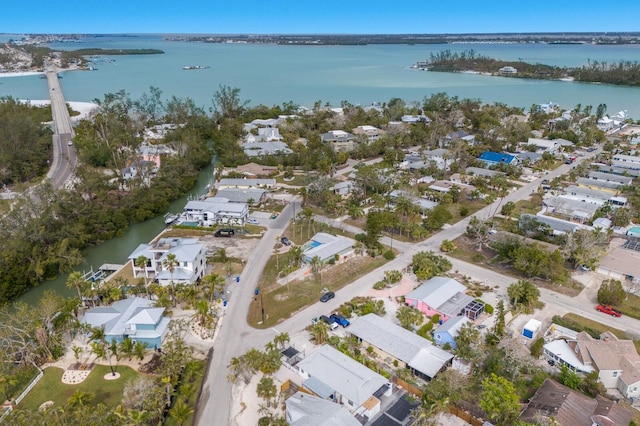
[339,140]
[215,210]
[303,409]
[227,183]
[327,247]
[370,132]
[190,258]
[332,375]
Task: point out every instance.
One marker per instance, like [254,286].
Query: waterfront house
[190,257]
[263,149]
[393,343]
[216,210]
[135,318]
[304,409]
[332,375]
[244,183]
[494,158]
[556,404]
[246,196]
[446,332]
[328,248]
[339,140]
[444,297]
[154,153]
[254,170]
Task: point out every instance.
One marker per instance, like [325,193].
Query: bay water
[271,74]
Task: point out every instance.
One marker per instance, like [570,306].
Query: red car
[608,310]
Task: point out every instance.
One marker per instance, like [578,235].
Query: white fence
[24,393]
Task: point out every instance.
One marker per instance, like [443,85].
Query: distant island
[33,57]
[364,39]
[623,73]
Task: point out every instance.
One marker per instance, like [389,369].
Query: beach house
[444,297]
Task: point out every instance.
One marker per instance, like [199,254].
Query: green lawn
[631,306]
[51,388]
[280,302]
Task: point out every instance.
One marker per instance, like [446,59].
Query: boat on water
[169,218]
[195,67]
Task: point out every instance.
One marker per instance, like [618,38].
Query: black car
[327,296]
[225,232]
[285,241]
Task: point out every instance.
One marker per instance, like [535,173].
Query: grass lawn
[631,306]
[51,388]
[298,180]
[280,302]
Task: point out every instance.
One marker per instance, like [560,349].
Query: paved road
[64,156]
[236,336]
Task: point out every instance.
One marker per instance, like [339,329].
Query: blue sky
[318,17]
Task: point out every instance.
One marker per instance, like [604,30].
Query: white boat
[169,218]
[195,67]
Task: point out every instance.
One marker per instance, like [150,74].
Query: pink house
[445,297]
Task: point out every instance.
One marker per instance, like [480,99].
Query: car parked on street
[253,221]
[606,309]
[327,296]
[340,320]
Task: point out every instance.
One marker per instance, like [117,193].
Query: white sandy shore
[20,73]
[84,108]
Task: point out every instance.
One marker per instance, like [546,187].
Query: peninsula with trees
[623,73]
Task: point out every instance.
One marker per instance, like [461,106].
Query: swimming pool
[634,231]
[194,224]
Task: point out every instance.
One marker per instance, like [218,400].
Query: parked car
[285,241]
[253,221]
[327,296]
[606,309]
[340,320]
[224,232]
[330,321]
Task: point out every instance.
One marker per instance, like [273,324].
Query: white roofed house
[339,140]
[241,183]
[441,158]
[391,341]
[327,247]
[303,409]
[544,145]
[332,375]
[262,149]
[190,258]
[371,133]
[247,196]
[216,210]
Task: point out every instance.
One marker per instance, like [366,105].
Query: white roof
[563,351]
[309,410]
[330,245]
[118,317]
[436,291]
[533,324]
[418,352]
[348,377]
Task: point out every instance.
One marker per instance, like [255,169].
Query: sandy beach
[20,73]
[84,108]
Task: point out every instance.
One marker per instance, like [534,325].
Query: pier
[64,156]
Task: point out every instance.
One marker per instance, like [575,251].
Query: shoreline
[84,108]
[20,74]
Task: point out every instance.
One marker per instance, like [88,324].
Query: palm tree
[281,340]
[80,399]
[266,389]
[141,262]
[214,283]
[170,262]
[180,411]
[316,264]
[99,346]
[319,332]
[295,255]
[138,417]
[77,350]
[203,314]
[76,281]
[140,350]
[127,347]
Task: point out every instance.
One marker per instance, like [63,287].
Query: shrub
[536,348]
[447,246]
[464,212]
[487,308]
[389,255]
[380,285]
[478,258]
[435,319]
[425,330]
[369,350]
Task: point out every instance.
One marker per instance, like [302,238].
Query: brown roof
[571,408]
[371,403]
[257,170]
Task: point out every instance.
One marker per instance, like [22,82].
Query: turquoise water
[635,231]
[273,74]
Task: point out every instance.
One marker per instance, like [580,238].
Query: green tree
[409,316]
[170,262]
[319,332]
[76,281]
[427,265]
[569,378]
[266,389]
[523,293]
[467,341]
[508,208]
[499,399]
[478,230]
[227,103]
[180,411]
[447,246]
[611,292]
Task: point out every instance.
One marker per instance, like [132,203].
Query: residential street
[236,336]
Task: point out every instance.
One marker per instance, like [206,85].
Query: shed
[531,328]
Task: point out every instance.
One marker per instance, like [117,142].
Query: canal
[118,249]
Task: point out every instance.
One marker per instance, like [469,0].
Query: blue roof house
[447,332]
[491,158]
[135,318]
